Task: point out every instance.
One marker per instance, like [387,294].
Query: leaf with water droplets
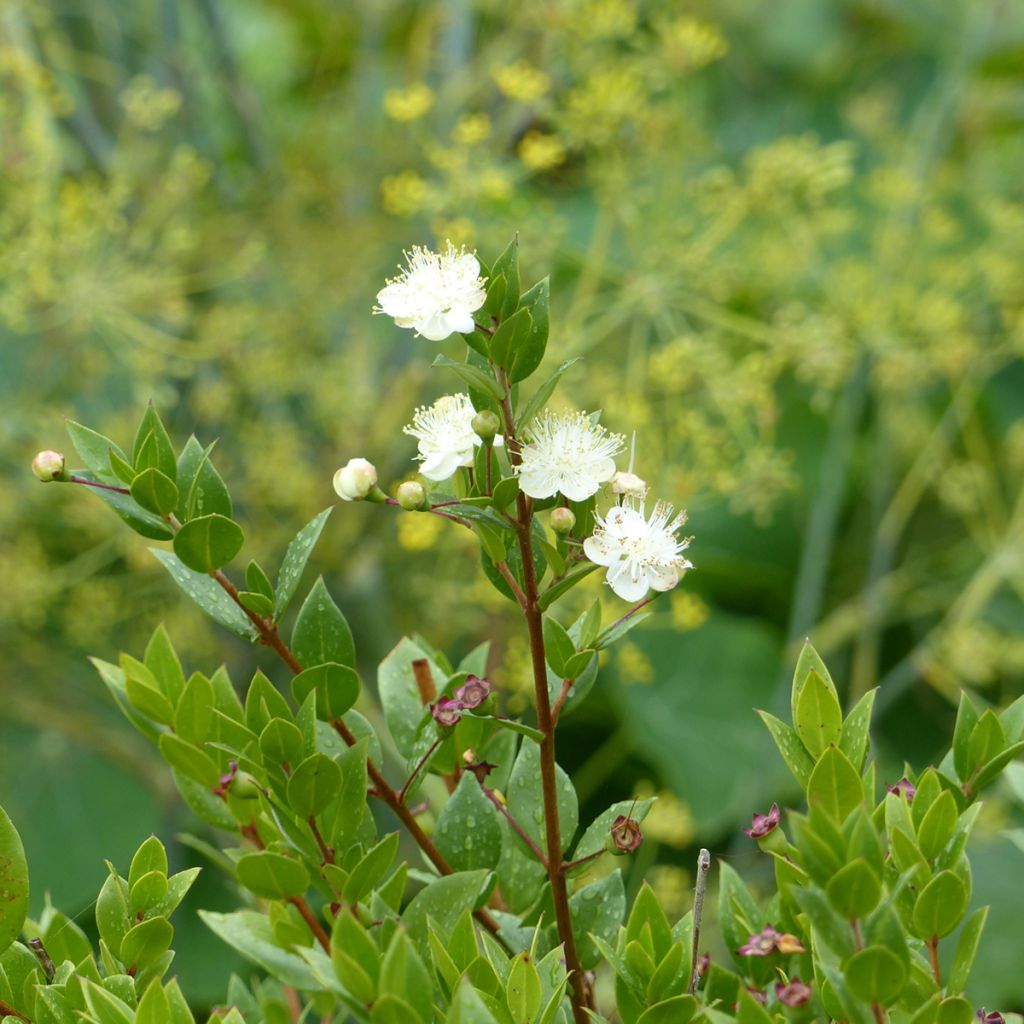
[597,909]
[468,832]
[526,802]
[321,633]
[295,559]
[13,882]
[792,750]
[208,595]
[443,901]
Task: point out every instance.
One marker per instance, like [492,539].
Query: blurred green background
[788,238]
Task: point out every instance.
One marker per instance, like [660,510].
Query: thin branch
[517,828]
[557,709]
[512,582]
[933,956]
[435,510]
[419,767]
[573,864]
[632,611]
[326,853]
[703,867]
[310,918]
[95,483]
[10,1011]
[424,681]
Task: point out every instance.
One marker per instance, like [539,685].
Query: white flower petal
[621,580]
[662,577]
[602,550]
[536,483]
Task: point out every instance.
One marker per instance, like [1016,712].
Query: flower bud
[245,787]
[624,836]
[563,519]
[486,424]
[473,692]
[48,466]
[993,1017]
[447,712]
[355,480]
[627,483]
[904,786]
[411,495]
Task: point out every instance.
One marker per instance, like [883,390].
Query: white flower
[624,482]
[355,479]
[446,436]
[640,553]
[436,294]
[569,455]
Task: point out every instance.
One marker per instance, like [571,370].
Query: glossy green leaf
[468,833]
[313,785]
[597,909]
[835,785]
[875,975]
[808,661]
[13,882]
[529,353]
[295,559]
[966,720]
[525,801]
[966,951]
[272,875]
[443,901]
[152,446]
[819,718]
[155,492]
[940,906]
[250,934]
[337,689]
[146,942]
[855,889]
[856,730]
[321,633]
[208,542]
[936,828]
[399,695]
[473,376]
[509,336]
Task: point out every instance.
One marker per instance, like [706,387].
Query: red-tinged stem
[632,611]
[573,864]
[102,487]
[557,709]
[435,510]
[517,828]
[310,918]
[10,1011]
[933,955]
[326,853]
[579,997]
[512,582]
[404,792]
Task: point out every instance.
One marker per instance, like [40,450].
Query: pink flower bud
[762,824]
[904,786]
[796,993]
[473,692]
[48,466]
[447,711]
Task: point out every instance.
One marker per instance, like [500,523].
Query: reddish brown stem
[10,1011]
[98,485]
[512,582]
[310,918]
[933,956]
[424,681]
[571,865]
[517,828]
[326,853]
[557,709]
[579,996]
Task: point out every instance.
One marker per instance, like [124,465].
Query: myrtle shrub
[513,911]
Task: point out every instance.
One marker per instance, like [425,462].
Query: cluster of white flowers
[567,454]
[436,294]
[446,436]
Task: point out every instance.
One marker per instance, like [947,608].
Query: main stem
[545,722]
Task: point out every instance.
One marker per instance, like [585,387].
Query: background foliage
[790,246]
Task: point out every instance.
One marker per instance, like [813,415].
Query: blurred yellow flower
[689,44]
[471,129]
[418,531]
[494,184]
[634,666]
[669,820]
[522,81]
[408,104]
[403,194]
[541,151]
[148,106]
[688,610]
[672,887]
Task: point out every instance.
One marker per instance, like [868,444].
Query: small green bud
[411,495]
[48,466]
[245,787]
[563,520]
[485,425]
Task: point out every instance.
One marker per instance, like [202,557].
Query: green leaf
[988,772]
[250,933]
[855,889]
[829,927]
[468,1007]
[856,730]
[563,586]
[399,696]
[208,595]
[371,868]
[677,1010]
[162,660]
[146,942]
[506,267]
[258,604]
[798,761]
[321,633]
[504,492]
[153,447]
[511,333]
[835,785]
[468,833]
[473,376]
[104,1006]
[966,720]
[750,1011]
[153,1006]
[966,950]
[558,647]
[94,449]
[143,522]
[525,800]
[295,559]
[937,826]
[149,857]
[443,901]
[207,492]
[597,909]
[281,742]
[13,882]
[530,350]
[337,689]
[122,469]
[155,492]
[541,396]
[875,975]
[807,662]
[209,542]
[940,906]
[272,875]
[818,719]
[955,1010]
[313,785]
[402,974]
[189,760]
[143,691]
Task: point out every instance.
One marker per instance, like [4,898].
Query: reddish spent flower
[625,835]
[762,824]
[703,964]
[796,993]
[770,941]
[757,995]
[904,786]
[989,1018]
[447,711]
[473,692]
